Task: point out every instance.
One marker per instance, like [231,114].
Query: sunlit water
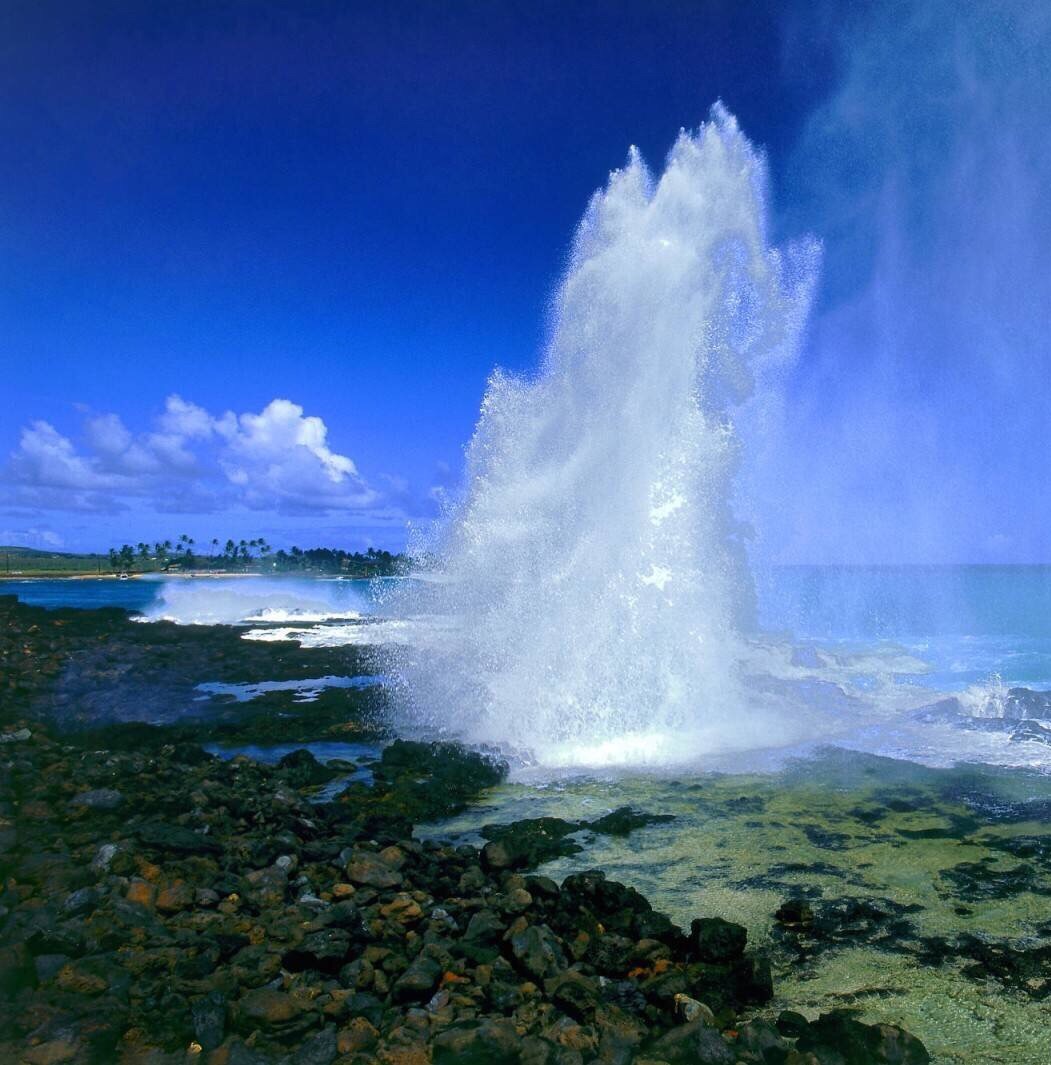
[206,600]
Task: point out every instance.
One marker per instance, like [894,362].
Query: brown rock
[372,871]
[177,896]
[393,856]
[403,908]
[268,1007]
[142,893]
[80,981]
[50,1053]
[358,1036]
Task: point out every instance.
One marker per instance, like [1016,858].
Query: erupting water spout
[592,579]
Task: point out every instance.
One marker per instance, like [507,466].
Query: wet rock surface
[110,681]
[529,842]
[1023,714]
[217,912]
[160,905]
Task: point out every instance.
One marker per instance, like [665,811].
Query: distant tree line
[371,563]
[252,555]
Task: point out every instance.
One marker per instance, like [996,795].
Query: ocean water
[855,653]
[967,623]
[206,600]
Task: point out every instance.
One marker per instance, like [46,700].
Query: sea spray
[592,583]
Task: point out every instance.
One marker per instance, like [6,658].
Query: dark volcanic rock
[537,952]
[714,940]
[862,1044]
[301,769]
[418,980]
[974,881]
[527,843]
[694,1043]
[209,1019]
[623,820]
[98,799]
[324,950]
[166,837]
[810,928]
[436,779]
[217,905]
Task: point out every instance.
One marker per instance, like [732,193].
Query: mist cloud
[915,424]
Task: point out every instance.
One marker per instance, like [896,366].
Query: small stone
[403,908]
[142,893]
[484,927]
[577,994]
[393,856]
[324,951]
[81,902]
[357,1037]
[372,871]
[418,980]
[209,1020]
[439,1000]
[689,1009]
[104,857]
[177,896]
[269,1008]
[518,900]
[80,981]
[792,1024]
[18,736]
[98,799]
[695,1043]
[538,952]
[496,856]
[319,1049]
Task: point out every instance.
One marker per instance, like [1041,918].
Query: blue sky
[257,260]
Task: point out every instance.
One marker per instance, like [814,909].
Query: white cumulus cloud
[192,461]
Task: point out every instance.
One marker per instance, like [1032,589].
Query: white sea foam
[270,600]
[361,634]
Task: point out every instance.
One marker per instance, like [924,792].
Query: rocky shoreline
[169,906]
[161,905]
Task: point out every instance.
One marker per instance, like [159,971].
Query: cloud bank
[192,461]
